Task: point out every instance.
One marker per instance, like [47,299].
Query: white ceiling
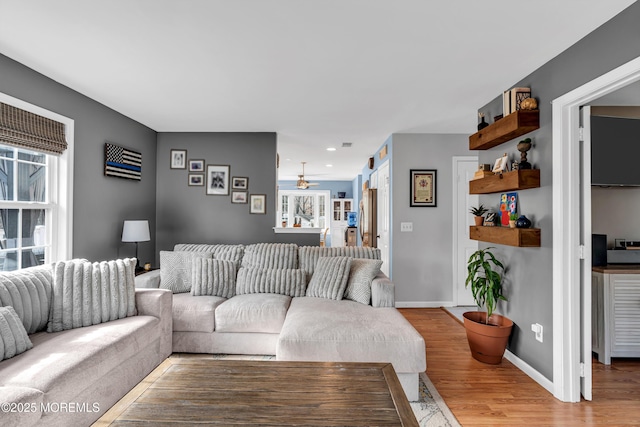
[319,73]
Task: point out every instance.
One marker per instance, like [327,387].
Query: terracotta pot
[479,220]
[512,223]
[487,341]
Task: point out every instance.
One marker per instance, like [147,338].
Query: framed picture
[423,188]
[196,165]
[196,179]
[239,197]
[240,183]
[178,159]
[218,180]
[501,164]
[258,204]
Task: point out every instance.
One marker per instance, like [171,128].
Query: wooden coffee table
[184,391]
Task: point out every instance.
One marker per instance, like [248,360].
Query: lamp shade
[136,231]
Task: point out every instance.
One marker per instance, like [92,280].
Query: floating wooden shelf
[505,129]
[508,181]
[523,237]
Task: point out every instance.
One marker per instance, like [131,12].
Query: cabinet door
[597,315]
[337,211]
[625,300]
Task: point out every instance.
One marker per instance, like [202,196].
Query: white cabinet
[615,315]
[339,210]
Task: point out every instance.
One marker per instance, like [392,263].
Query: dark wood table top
[205,391]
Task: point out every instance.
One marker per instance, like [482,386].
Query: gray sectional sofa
[297,303]
[76,337]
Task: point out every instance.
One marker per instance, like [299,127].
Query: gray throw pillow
[213,277]
[13,336]
[329,278]
[283,281]
[363,271]
[176,269]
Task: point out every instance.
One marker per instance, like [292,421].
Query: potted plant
[512,220]
[478,212]
[487,332]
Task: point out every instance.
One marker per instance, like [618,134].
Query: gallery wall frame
[423,188]
[218,180]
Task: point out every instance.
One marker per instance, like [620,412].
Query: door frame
[566,188]
[456,231]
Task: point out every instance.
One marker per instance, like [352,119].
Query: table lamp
[136,231]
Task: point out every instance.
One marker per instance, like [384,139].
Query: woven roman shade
[28,130]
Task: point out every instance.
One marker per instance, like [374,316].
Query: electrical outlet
[406,226]
[537,328]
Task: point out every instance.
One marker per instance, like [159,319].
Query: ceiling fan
[302,184]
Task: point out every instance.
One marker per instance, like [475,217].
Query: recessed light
[331,149]
[329,166]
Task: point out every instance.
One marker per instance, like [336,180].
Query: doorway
[383,183]
[464,168]
[571,245]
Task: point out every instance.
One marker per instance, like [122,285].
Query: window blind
[28,130]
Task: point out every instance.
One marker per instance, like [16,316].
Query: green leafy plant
[513,216]
[484,274]
[478,211]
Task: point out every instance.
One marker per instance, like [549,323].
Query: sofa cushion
[13,337]
[252,280]
[176,269]
[61,363]
[362,273]
[271,255]
[28,291]
[308,255]
[194,314]
[27,399]
[330,277]
[220,251]
[252,313]
[86,293]
[318,329]
[213,277]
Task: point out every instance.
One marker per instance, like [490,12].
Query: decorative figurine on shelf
[529,104]
[523,147]
[523,222]
[482,123]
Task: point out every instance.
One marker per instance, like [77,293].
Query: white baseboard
[423,304]
[527,369]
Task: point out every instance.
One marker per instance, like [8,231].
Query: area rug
[430,410]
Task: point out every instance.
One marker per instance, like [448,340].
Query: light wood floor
[502,395]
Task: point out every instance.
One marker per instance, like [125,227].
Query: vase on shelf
[483,124]
[523,222]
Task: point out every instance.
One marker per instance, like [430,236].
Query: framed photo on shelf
[240,183]
[423,188]
[258,204]
[501,164]
[218,180]
[196,165]
[196,179]
[239,197]
[178,159]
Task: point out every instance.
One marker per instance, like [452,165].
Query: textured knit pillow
[283,281]
[86,293]
[329,278]
[13,336]
[176,269]
[361,275]
[213,277]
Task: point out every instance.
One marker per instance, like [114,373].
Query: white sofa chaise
[277,308]
[72,376]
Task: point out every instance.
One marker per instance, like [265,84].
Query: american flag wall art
[122,163]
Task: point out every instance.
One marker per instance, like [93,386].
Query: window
[35,198]
[306,209]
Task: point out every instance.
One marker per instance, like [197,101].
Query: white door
[384,220]
[464,168]
[585,262]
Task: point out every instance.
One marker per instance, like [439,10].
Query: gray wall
[101,204]
[422,262]
[187,215]
[529,279]
[612,213]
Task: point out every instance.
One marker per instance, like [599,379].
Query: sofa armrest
[148,280]
[157,303]
[382,291]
